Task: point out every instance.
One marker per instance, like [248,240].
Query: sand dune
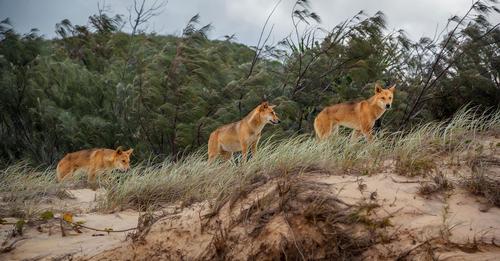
[305,214]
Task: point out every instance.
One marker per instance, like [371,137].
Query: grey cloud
[242,17]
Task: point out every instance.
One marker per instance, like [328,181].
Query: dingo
[359,116]
[93,161]
[240,135]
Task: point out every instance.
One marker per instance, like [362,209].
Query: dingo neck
[254,120]
[376,110]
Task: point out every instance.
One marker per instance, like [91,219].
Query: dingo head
[121,159]
[383,97]
[267,114]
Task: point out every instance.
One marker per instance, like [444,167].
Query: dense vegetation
[97,86]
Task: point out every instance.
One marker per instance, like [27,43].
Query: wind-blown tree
[18,129]
[90,45]
[468,48]
[97,86]
[323,67]
[172,89]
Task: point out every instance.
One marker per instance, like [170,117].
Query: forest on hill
[98,86]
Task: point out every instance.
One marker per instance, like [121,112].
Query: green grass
[193,179]
[484,181]
[24,187]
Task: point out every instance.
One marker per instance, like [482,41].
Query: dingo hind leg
[214,148]
[323,126]
[64,170]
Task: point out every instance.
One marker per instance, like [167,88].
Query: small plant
[438,183]
[482,181]
[23,188]
[19,227]
[415,167]
[414,152]
[47,215]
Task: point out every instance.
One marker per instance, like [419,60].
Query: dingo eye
[123,161]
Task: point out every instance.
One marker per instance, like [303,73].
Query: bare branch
[260,46]
[140,14]
[430,80]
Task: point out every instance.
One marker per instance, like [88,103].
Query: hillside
[426,187]
[97,86]
[432,192]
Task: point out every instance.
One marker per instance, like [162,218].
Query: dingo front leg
[244,151]
[367,132]
[355,135]
[91,178]
[253,147]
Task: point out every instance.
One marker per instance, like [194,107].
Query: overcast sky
[241,17]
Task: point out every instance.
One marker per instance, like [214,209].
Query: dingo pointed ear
[119,150]
[264,105]
[378,88]
[393,88]
[129,151]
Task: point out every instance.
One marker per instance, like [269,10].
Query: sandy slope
[423,215]
[415,219]
[47,242]
[274,217]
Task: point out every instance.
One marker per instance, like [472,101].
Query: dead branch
[10,246]
[408,181]
[142,14]
[406,253]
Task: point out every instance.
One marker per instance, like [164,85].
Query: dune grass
[193,179]
[484,180]
[23,188]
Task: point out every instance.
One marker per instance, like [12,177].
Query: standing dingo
[359,116]
[240,135]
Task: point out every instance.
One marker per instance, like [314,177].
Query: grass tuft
[23,188]
[483,181]
[192,179]
[439,183]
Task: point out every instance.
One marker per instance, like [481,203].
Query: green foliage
[19,227]
[193,179]
[47,215]
[96,86]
